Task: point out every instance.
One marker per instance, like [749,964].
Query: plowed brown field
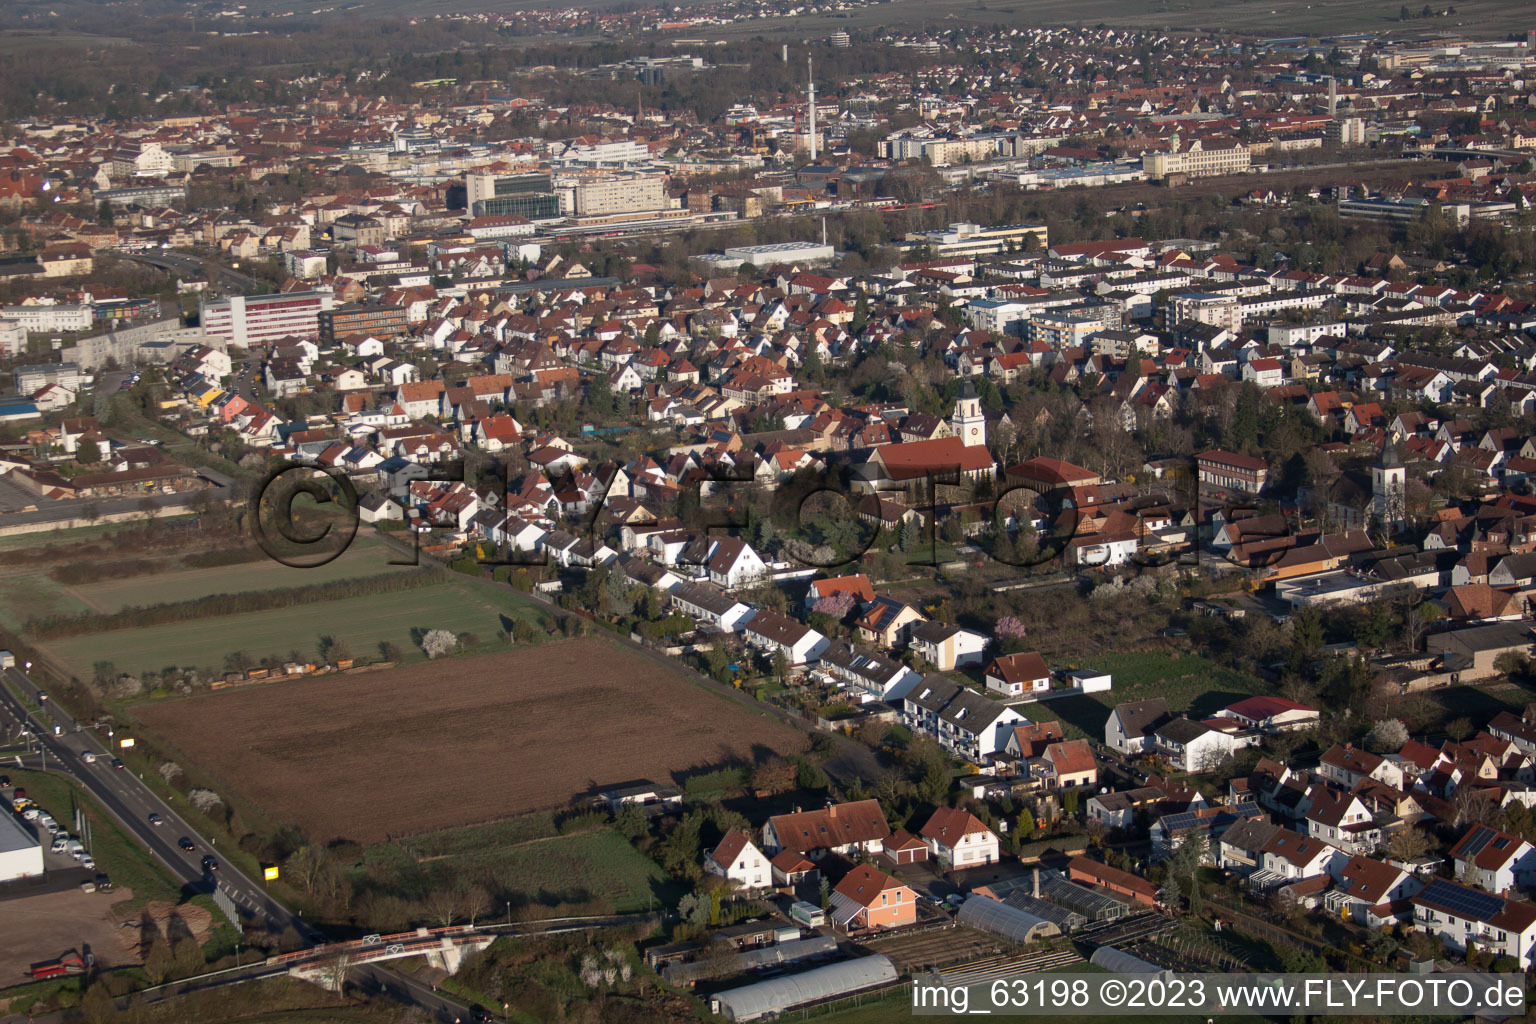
[461,741]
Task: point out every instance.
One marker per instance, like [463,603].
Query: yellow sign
[125,742]
[269,874]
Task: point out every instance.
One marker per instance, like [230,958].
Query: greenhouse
[1121,962]
[986,914]
[779,994]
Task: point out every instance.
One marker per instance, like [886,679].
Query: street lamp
[509,913]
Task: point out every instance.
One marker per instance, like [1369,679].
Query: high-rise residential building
[630,193]
[251,321]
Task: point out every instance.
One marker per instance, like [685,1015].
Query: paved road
[186,264]
[128,799]
[244,381]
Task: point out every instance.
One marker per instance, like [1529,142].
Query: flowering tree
[1009,628]
[439,642]
[836,605]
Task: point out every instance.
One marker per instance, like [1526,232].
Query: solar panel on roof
[1477,840]
[1462,901]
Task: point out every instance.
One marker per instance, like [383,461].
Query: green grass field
[35,595]
[531,858]
[360,622]
[366,556]
[1188,683]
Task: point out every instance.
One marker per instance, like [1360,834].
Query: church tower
[968,421]
[1389,479]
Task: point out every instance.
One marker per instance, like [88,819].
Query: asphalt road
[128,799]
[186,264]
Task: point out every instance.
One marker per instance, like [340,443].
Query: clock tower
[968,421]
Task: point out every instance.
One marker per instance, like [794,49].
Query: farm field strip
[433,746]
[360,622]
[366,557]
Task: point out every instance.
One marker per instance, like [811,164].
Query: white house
[1342,819]
[1130,725]
[709,606]
[958,839]
[947,647]
[1458,914]
[1193,746]
[772,633]
[733,564]
[960,719]
[1363,888]
[1494,860]
[1014,675]
[737,859]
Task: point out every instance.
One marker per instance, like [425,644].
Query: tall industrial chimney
[1333,96]
[810,75]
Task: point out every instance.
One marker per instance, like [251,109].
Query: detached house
[773,633]
[737,859]
[844,829]
[1014,675]
[947,647]
[1460,914]
[958,839]
[1365,889]
[1494,860]
[867,899]
[1130,725]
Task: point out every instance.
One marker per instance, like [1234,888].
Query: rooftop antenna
[810,74]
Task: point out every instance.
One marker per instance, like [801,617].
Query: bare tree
[338,967]
[474,902]
[442,905]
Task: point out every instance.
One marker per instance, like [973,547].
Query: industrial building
[974,240]
[783,252]
[21,854]
[1198,162]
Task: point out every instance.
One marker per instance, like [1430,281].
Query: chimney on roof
[831,809]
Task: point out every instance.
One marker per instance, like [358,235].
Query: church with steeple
[1358,500]
[968,422]
[1389,480]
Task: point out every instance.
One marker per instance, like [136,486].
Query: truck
[70,963]
[7,660]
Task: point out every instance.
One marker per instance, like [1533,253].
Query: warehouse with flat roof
[21,854]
